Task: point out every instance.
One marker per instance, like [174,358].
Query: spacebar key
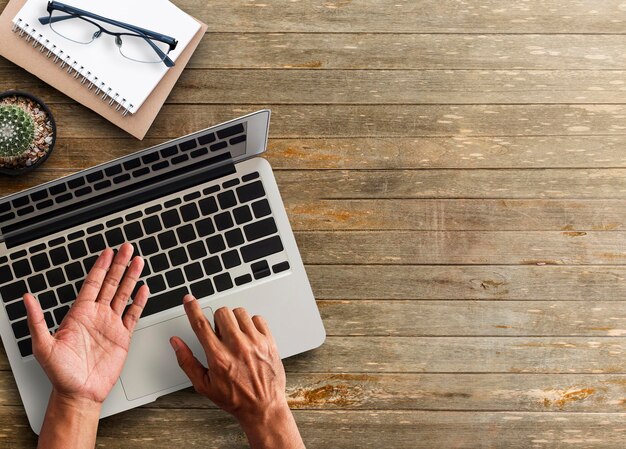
[262,248]
[164,301]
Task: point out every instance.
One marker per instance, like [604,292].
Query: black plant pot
[41,160]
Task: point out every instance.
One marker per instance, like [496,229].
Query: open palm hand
[84,358]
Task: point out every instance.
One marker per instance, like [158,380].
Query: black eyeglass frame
[148,35]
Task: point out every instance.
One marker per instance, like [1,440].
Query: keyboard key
[170,218]
[243,279]
[25,347]
[151,157]
[215,244]
[261,208]
[56,241]
[249,192]
[280,267]
[187,145]
[114,170]
[140,172]
[114,237]
[230,131]
[223,221]
[7,217]
[5,207]
[205,227]
[21,268]
[167,240]
[173,202]
[13,291]
[95,176]
[159,263]
[89,262]
[47,300]
[156,285]
[77,249]
[250,176]
[223,282]
[238,139]
[60,313]
[153,209]
[114,222]
[133,215]
[133,231]
[39,195]
[199,152]
[231,183]
[227,199]
[74,235]
[211,189]
[231,259]
[49,320]
[40,262]
[132,164]
[234,237]
[164,301]
[242,214]
[178,256]
[102,185]
[180,158]
[74,271]
[208,206]
[189,212]
[63,198]
[36,283]
[260,269]
[218,146]
[137,287]
[95,228]
[66,294]
[148,246]
[5,274]
[95,243]
[55,277]
[59,188]
[121,178]
[26,210]
[186,234]
[202,289]
[261,248]
[169,151]
[152,224]
[193,271]
[175,278]
[16,310]
[207,138]
[191,196]
[77,182]
[44,204]
[82,192]
[58,256]
[197,250]
[20,329]
[212,265]
[259,229]
[160,165]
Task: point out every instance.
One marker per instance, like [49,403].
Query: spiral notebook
[127,93]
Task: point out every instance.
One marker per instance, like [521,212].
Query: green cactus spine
[17,131]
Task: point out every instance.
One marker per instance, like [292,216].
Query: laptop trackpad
[151,365]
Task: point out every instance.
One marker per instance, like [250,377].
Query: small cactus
[17,131]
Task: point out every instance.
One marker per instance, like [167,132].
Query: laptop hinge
[112,202]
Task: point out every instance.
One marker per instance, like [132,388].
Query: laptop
[205,214]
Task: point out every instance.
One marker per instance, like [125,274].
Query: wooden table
[455,175]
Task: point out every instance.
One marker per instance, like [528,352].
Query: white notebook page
[131,80]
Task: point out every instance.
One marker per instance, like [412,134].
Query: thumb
[192,367]
[42,340]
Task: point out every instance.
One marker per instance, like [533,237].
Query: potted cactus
[27,132]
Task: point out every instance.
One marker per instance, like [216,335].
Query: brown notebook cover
[22,53]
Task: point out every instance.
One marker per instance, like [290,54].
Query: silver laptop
[207,217]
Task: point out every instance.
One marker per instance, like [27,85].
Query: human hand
[245,375]
[85,356]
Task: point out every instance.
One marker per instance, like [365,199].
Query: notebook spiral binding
[63,60]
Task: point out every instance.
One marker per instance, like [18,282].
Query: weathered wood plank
[384,16]
[547,283]
[383,153]
[462,247]
[545,355]
[369,120]
[223,86]
[407,51]
[488,392]
[340,429]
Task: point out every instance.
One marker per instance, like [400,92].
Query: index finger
[93,283]
[201,326]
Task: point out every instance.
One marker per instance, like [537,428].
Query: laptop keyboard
[202,242]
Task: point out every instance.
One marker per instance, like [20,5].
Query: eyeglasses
[134,43]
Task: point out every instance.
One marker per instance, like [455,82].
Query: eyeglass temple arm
[166,59]
[45,20]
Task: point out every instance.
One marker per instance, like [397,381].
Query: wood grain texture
[370,120]
[224,86]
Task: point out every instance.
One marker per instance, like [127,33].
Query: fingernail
[174,344]
[188,298]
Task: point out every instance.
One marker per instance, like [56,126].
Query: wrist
[268,415]
[272,427]
[75,403]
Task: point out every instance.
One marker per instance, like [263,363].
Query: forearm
[69,423]
[273,429]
